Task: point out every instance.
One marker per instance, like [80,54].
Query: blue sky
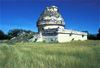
[82,15]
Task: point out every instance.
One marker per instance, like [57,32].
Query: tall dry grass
[76,54]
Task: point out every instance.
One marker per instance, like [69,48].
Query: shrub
[35,40]
[52,40]
[79,40]
[44,41]
[30,36]
[56,41]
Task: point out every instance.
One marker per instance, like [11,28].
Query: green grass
[75,54]
[2,41]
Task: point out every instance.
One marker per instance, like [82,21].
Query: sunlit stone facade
[51,28]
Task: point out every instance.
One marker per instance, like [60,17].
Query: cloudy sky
[82,15]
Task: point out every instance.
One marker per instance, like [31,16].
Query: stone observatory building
[51,28]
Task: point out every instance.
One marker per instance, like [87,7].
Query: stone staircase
[36,38]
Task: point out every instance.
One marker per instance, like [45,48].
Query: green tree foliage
[1,35]
[92,36]
[14,33]
[98,35]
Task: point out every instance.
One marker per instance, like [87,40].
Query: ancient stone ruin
[51,28]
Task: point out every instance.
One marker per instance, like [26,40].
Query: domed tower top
[50,16]
[52,8]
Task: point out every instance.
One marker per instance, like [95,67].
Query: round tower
[50,19]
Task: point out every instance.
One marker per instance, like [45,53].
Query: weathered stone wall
[68,37]
[51,27]
[62,35]
[59,37]
[67,31]
[50,37]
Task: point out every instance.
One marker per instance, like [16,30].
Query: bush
[35,40]
[44,41]
[52,40]
[30,36]
[79,40]
[92,36]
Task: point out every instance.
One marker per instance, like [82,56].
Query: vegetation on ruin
[74,54]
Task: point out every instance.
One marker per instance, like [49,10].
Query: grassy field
[75,54]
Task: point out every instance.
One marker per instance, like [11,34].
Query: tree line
[94,36]
[14,33]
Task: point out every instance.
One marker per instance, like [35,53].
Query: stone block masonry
[51,28]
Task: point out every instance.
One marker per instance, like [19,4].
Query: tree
[92,36]
[13,33]
[1,35]
[98,35]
